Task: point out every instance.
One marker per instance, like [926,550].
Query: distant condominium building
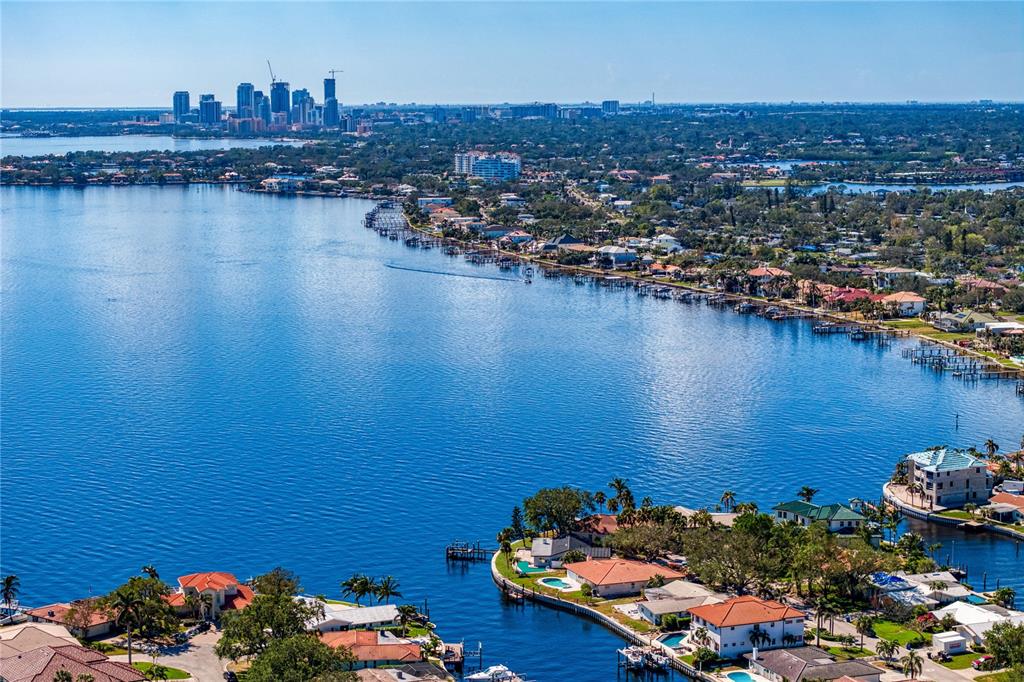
[610,106]
[330,91]
[209,110]
[245,106]
[497,166]
[181,105]
[280,99]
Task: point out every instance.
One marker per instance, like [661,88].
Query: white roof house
[975,621]
[344,617]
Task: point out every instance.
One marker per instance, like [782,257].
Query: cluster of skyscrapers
[256,111]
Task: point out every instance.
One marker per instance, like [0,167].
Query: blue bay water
[205,379]
[15,145]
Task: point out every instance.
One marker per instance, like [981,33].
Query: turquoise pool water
[674,640]
[975,599]
[525,567]
[557,583]
[740,677]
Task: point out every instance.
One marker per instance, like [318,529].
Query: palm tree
[912,664]
[1005,596]
[9,589]
[387,589]
[728,499]
[192,603]
[807,493]
[150,570]
[865,625]
[746,508]
[205,605]
[406,614]
[700,638]
[368,586]
[599,499]
[886,648]
[63,675]
[158,672]
[126,608]
[86,677]
[991,447]
[350,586]
[970,508]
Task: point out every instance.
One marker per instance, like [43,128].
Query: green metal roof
[828,512]
[944,459]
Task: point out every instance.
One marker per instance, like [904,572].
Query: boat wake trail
[393,266]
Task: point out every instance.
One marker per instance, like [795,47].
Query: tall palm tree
[150,570]
[9,589]
[350,587]
[86,677]
[63,675]
[205,605]
[406,614]
[865,625]
[387,588]
[728,499]
[192,603]
[991,447]
[807,493]
[599,499]
[127,608]
[700,638]
[886,648]
[912,664]
[1005,596]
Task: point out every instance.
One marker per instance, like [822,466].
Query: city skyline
[449,52]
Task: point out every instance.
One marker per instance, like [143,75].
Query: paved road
[196,657]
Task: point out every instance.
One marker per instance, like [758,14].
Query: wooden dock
[458,550]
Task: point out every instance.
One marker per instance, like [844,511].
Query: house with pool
[548,552]
[737,625]
[612,578]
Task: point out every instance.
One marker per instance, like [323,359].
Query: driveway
[196,657]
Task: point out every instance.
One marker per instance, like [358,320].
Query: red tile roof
[57,613]
[365,646]
[744,611]
[213,580]
[1009,498]
[601,524]
[619,571]
[240,599]
[769,272]
[43,663]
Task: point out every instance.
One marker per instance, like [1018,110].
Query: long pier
[457,550]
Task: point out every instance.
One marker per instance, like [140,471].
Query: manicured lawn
[608,609]
[956,514]
[842,653]
[108,649]
[995,677]
[885,629]
[172,673]
[962,661]
[338,601]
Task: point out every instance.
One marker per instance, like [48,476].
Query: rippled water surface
[38,146]
[205,379]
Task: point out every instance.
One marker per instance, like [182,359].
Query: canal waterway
[207,379]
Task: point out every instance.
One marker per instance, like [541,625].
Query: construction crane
[273,78]
[334,71]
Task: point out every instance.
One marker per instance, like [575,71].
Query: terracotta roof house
[617,577]
[905,303]
[766,274]
[227,592]
[372,649]
[809,663]
[100,622]
[732,625]
[43,663]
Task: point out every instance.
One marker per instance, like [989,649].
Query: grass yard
[886,629]
[1004,676]
[956,514]
[844,654]
[172,673]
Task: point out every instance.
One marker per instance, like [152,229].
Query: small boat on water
[634,657]
[858,335]
[744,307]
[495,673]
[656,660]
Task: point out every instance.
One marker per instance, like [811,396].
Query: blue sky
[82,54]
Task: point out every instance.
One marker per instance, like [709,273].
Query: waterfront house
[565,240]
[963,321]
[373,648]
[654,609]
[808,663]
[224,589]
[616,256]
[667,243]
[886,588]
[905,303]
[975,620]
[548,552]
[886,278]
[596,527]
[338,617]
[948,477]
[617,577]
[519,237]
[101,622]
[1005,507]
[940,586]
[732,625]
[837,517]
[424,203]
[421,671]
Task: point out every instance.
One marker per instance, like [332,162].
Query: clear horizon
[118,55]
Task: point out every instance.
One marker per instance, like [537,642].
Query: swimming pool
[975,599]
[673,640]
[525,568]
[740,677]
[556,583]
